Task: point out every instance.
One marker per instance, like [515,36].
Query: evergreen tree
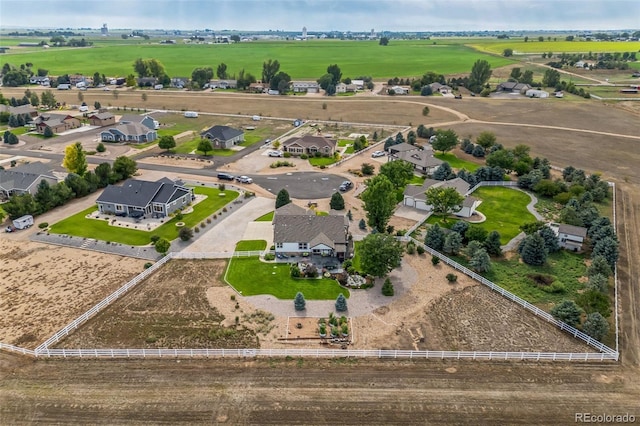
[480,261]
[600,266]
[362,224]
[435,237]
[337,202]
[568,312]
[596,326]
[299,303]
[607,248]
[492,244]
[452,243]
[532,250]
[598,282]
[550,239]
[48,133]
[341,303]
[443,172]
[387,288]
[282,198]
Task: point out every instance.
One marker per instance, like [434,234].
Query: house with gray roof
[145,120]
[139,198]
[570,237]
[512,86]
[422,160]
[309,144]
[415,195]
[297,231]
[223,136]
[25,179]
[129,132]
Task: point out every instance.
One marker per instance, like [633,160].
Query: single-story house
[138,198]
[102,119]
[305,87]
[394,150]
[179,82]
[535,93]
[223,84]
[422,160]
[341,88]
[358,83]
[129,132]
[146,81]
[570,237]
[64,86]
[77,78]
[25,179]
[145,120]
[513,86]
[415,195]
[258,87]
[58,123]
[399,90]
[309,144]
[440,88]
[27,109]
[223,136]
[297,231]
[42,81]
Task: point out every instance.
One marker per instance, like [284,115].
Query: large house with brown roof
[415,195]
[309,144]
[297,231]
[102,119]
[58,123]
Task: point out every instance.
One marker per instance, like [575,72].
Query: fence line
[532,308]
[615,270]
[101,305]
[491,183]
[11,348]
[324,353]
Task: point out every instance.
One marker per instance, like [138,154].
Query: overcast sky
[324,15]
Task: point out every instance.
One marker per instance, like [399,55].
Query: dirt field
[43,288]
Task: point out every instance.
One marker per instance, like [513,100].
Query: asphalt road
[305,185]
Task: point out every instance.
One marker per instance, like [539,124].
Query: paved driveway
[222,237]
[304,185]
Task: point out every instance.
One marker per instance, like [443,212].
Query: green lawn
[267,217]
[355,260]
[565,266]
[250,137]
[345,142]
[534,46]
[417,180]
[300,60]
[79,226]
[250,277]
[458,163]
[349,150]
[321,161]
[505,209]
[251,245]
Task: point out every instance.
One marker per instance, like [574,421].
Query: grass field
[299,59]
[78,225]
[251,245]
[250,277]
[322,161]
[519,46]
[505,209]
[457,163]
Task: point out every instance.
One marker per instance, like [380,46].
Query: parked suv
[275,154]
[344,186]
[225,176]
[244,179]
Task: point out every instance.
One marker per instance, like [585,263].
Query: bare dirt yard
[43,288]
[167,311]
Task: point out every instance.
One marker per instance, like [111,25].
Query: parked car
[377,154]
[344,186]
[244,179]
[282,256]
[275,154]
[458,96]
[10,228]
[225,176]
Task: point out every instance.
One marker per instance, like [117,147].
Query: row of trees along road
[78,183]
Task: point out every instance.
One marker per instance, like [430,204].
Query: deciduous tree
[480,73]
[123,168]
[379,202]
[205,146]
[445,140]
[75,160]
[399,173]
[166,142]
[444,200]
[379,254]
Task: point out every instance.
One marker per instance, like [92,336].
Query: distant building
[304,32]
[104,31]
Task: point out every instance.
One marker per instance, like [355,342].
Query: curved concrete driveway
[305,185]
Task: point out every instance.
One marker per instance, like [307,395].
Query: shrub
[387,288]
[341,303]
[101,147]
[287,155]
[208,220]
[43,225]
[148,265]
[222,187]
[185,233]
[411,247]
[304,156]
[420,250]
[435,260]
[555,288]
[362,224]
[179,216]
[295,271]
[269,256]
[154,239]
[196,229]
[452,278]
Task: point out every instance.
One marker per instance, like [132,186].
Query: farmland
[520,46]
[299,59]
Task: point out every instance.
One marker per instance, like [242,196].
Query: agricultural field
[301,60]
[560,46]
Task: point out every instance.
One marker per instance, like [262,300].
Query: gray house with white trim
[139,198]
[223,136]
[25,179]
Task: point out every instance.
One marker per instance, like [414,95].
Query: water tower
[304,32]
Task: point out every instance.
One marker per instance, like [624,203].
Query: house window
[279,245]
[303,246]
[157,208]
[119,208]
